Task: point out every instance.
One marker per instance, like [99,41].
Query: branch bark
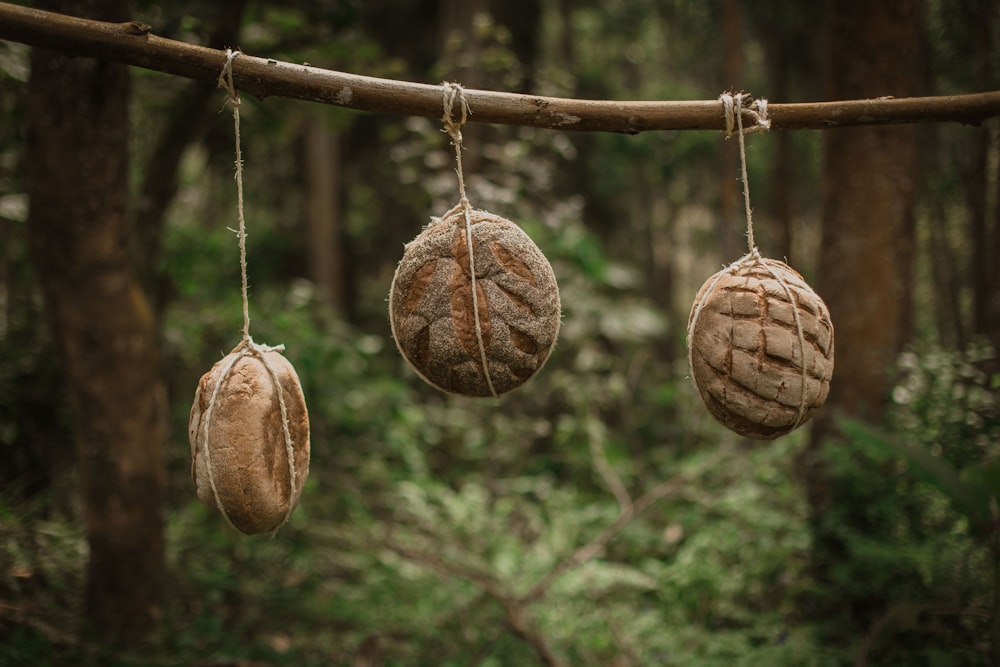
[133,43]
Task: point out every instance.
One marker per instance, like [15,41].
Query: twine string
[803,403]
[246,346]
[226,81]
[260,351]
[734,110]
[454,93]
[207,449]
[743,174]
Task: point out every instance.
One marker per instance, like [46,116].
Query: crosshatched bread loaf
[238,444]
[432,309]
[760,348]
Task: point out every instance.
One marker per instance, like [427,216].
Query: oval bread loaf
[239,445]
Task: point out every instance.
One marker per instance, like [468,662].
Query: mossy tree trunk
[102,324]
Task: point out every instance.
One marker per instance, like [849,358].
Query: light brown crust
[760,347]
[243,445]
[433,317]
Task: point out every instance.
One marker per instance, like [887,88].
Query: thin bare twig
[597,545]
[516,616]
[603,467]
[629,652]
[482,580]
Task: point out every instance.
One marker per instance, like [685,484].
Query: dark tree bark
[869,189]
[779,50]
[984,224]
[102,324]
[869,192]
[523,19]
[323,177]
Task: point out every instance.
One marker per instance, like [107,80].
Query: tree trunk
[523,19]
[869,184]
[322,204]
[869,192]
[102,324]
[779,54]
[984,224]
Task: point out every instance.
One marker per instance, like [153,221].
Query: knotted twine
[452,93]
[247,346]
[734,110]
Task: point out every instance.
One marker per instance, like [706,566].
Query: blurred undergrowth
[427,519]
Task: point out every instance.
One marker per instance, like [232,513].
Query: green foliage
[914,518]
[951,402]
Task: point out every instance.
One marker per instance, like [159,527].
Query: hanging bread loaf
[760,348]
[249,433]
[476,326]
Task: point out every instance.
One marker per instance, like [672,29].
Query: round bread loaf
[481,327]
[760,348]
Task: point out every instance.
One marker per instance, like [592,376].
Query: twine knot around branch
[225,80]
[734,109]
[452,93]
[754,109]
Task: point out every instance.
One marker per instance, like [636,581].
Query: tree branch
[516,618]
[132,43]
[596,545]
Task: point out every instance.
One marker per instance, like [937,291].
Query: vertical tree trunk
[778,50]
[869,192]
[103,326]
[984,224]
[524,20]
[322,203]
[869,187]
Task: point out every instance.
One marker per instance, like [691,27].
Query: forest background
[598,515]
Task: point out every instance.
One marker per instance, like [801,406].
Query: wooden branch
[516,615]
[591,549]
[628,511]
[133,43]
